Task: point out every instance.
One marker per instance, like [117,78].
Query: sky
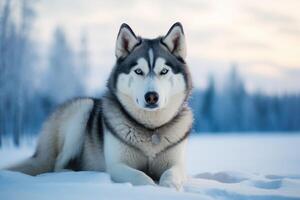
[262,38]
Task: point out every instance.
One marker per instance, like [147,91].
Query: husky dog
[137,131]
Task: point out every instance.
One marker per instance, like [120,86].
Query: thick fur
[119,133]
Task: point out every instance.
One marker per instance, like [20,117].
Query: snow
[256,153]
[219,167]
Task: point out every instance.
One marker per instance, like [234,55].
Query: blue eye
[138,71]
[164,71]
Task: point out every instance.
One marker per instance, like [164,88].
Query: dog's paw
[142,179]
[168,180]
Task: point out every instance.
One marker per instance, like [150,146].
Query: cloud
[250,45]
[270,16]
[292,31]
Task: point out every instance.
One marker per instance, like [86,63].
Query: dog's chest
[150,142]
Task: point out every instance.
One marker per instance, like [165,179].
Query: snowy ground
[220,167]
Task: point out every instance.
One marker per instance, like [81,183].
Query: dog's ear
[126,41]
[175,40]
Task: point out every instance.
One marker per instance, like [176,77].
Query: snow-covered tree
[83,56]
[16,51]
[208,106]
[63,79]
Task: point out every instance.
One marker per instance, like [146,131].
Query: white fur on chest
[131,144]
[116,152]
[149,142]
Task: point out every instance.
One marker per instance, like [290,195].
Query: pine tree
[63,80]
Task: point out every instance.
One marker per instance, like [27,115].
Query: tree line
[233,109]
[27,93]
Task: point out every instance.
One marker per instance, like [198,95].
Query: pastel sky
[261,36]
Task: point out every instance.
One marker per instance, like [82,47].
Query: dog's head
[150,74]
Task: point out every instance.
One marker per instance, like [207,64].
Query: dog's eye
[164,71]
[138,71]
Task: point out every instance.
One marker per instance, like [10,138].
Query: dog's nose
[151,98]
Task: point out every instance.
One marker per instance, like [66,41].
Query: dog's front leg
[173,177]
[123,173]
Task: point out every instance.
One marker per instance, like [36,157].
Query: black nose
[151,98]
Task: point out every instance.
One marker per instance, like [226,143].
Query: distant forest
[233,109]
[24,104]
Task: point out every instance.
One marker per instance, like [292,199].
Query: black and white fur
[122,133]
